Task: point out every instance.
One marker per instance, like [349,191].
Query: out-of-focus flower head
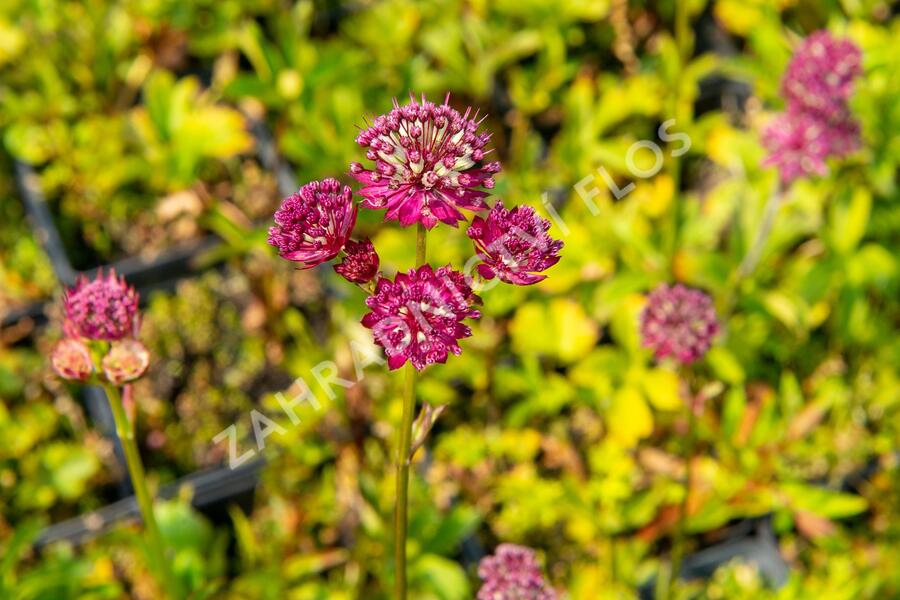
[819,78]
[679,322]
[360,265]
[428,164]
[313,224]
[513,244]
[418,316]
[512,573]
[126,361]
[71,359]
[818,123]
[105,308]
[798,146]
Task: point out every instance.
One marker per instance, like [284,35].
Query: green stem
[748,265]
[403,447]
[681,526]
[683,118]
[145,503]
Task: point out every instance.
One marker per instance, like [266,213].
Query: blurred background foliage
[561,432]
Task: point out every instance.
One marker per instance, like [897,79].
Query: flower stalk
[155,543]
[403,452]
[678,540]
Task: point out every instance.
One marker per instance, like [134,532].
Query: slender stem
[403,446]
[681,525]
[125,431]
[762,235]
[683,117]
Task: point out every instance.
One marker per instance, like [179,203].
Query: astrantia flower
[126,361]
[428,164]
[679,322]
[514,245]
[418,316]
[819,78]
[313,224]
[103,309]
[512,573]
[798,146]
[71,359]
[360,265]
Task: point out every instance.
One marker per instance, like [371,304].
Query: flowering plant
[429,162]
[818,123]
[101,346]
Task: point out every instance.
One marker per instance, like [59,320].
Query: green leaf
[823,502]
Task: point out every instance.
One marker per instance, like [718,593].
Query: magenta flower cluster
[103,309]
[418,316]
[512,573]
[678,322]
[817,124]
[312,225]
[102,322]
[513,245]
[429,163]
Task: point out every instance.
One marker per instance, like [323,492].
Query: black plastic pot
[751,541]
[177,262]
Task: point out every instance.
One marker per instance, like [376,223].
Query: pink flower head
[514,245]
[819,77]
[678,321]
[512,573]
[105,308]
[418,316]
[312,225]
[798,145]
[126,361]
[428,164]
[71,359]
[360,265]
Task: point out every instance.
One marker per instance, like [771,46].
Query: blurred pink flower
[418,316]
[512,573]
[513,244]
[818,123]
[428,164]
[819,78]
[71,359]
[798,146]
[313,224]
[105,308]
[360,265]
[679,322]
